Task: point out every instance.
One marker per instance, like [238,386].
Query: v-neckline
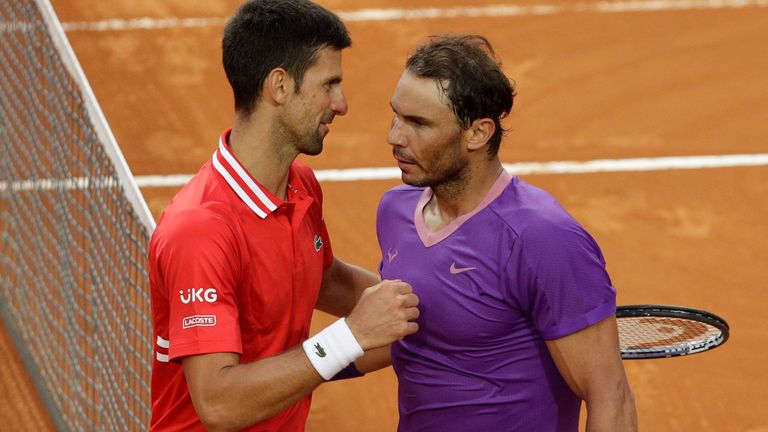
[429,238]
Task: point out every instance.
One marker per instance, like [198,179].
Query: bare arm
[228,395]
[342,286]
[589,361]
[374,359]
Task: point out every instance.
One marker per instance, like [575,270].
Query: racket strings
[653,333]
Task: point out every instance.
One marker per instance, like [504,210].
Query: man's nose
[395,137]
[339,104]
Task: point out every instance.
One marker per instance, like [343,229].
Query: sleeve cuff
[203,347]
[572,326]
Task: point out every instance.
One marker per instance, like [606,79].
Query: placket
[301,203]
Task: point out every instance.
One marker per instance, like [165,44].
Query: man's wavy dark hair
[470,76]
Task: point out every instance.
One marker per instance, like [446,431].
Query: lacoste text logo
[391,254]
[457,270]
[318,243]
[199,321]
[320,351]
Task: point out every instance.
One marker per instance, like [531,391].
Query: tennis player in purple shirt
[517,321]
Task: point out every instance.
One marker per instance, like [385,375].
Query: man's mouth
[400,159]
[325,125]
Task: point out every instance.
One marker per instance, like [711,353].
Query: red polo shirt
[233,268]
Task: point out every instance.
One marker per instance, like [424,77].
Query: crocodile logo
[320,351]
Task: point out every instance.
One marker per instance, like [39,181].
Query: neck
[453,199]
[259,151]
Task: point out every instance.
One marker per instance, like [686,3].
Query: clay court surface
[679,81]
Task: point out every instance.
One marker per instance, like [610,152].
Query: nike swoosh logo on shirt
[455,270]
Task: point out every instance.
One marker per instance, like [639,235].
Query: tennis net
[74,231]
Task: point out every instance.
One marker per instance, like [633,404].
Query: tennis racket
[656,331]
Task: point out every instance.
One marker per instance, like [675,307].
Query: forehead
[417,95]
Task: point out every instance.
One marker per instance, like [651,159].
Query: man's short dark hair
[266,34]
[470,76]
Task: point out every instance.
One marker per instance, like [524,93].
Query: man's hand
[384,314]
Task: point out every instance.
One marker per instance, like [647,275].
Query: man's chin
[410,180]
[313,148]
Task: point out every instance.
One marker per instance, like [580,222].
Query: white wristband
[332,349]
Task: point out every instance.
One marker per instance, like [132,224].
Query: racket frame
[672,311]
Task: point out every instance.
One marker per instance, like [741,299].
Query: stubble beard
[308,143]
[446,181]
[312,144]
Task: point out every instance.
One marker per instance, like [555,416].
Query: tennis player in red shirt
[241,256]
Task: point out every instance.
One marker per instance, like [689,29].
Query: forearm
[228,395]
[612,413]
[342,286]
[236,396]
[374,359]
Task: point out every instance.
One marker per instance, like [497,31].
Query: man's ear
[479,133]
[277,86]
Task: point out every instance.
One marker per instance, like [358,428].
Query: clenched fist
[384,314]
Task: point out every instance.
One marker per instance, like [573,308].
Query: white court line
[393,14]
[523,168]
[391,173]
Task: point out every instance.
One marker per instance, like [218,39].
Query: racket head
[659,331]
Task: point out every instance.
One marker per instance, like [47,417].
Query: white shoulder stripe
[246,178]
[162,343]
[162,357]
[236,187]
